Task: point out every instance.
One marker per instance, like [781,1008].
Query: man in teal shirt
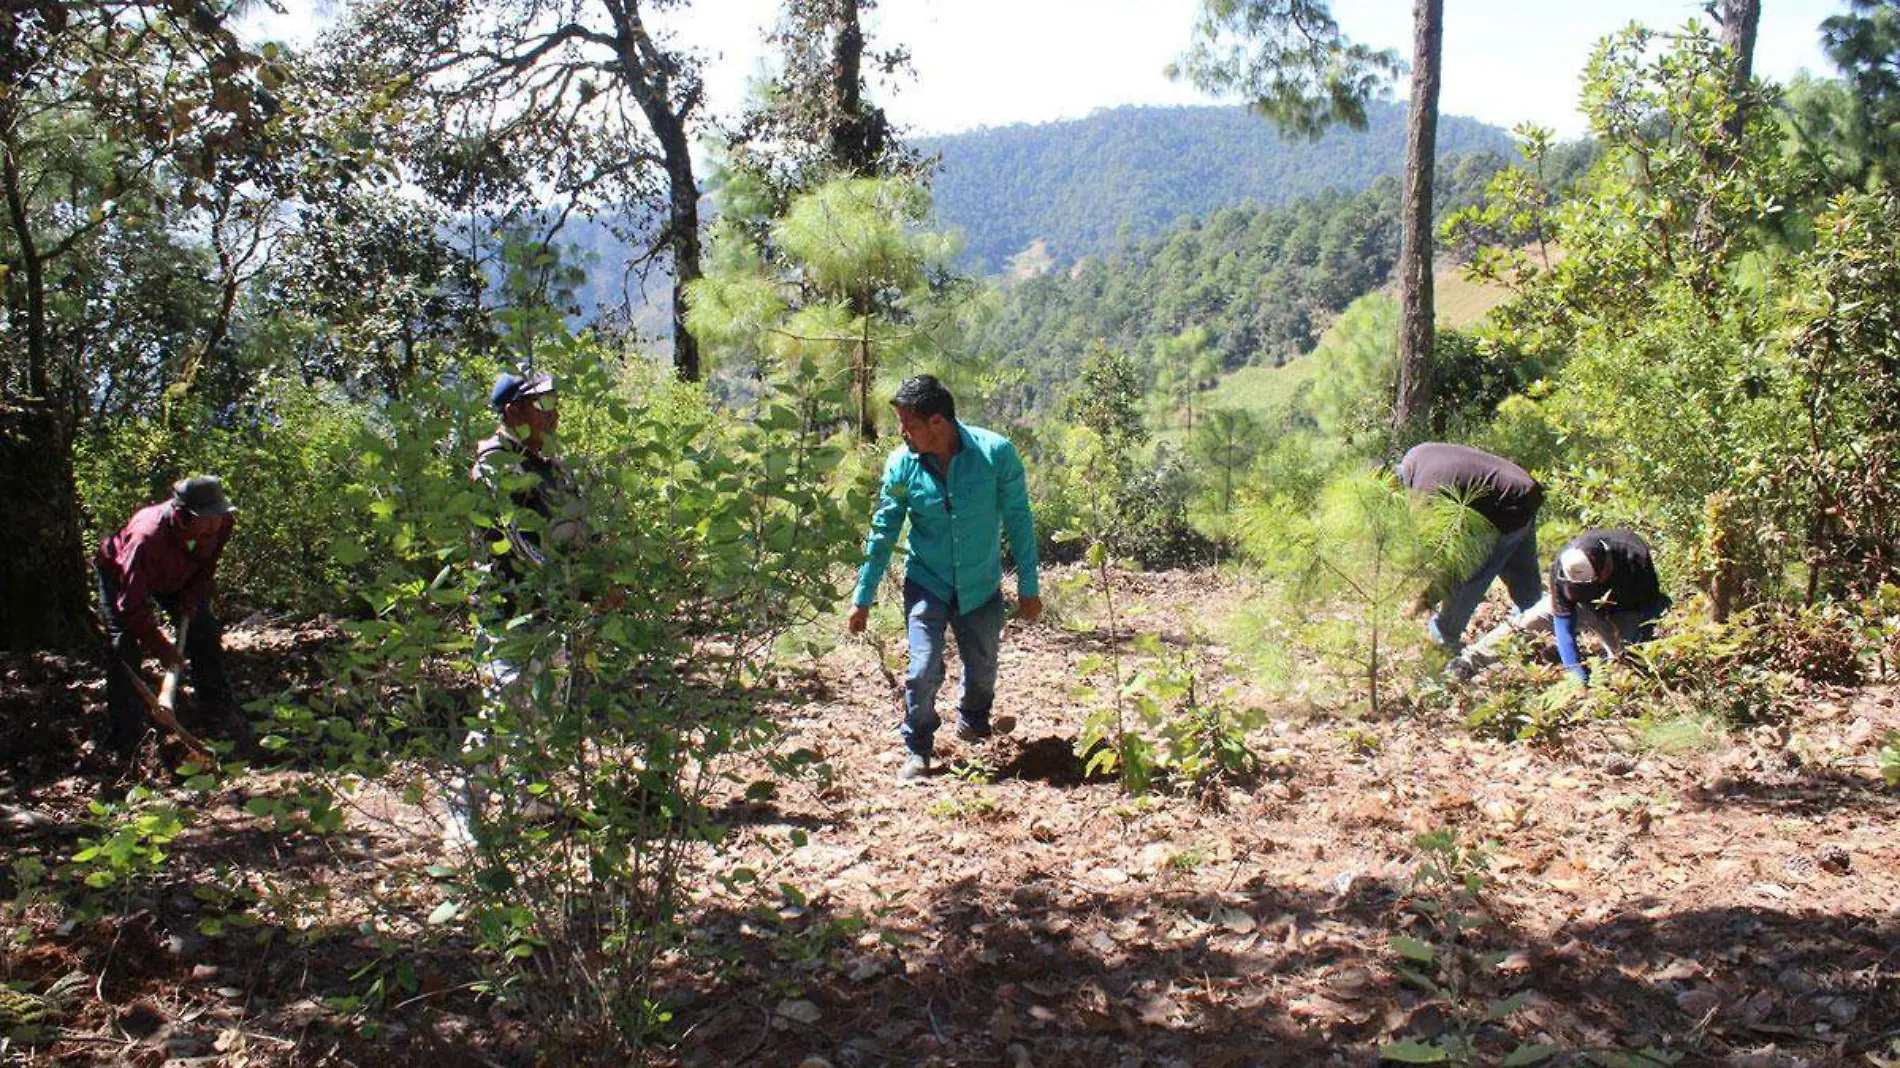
[963,489]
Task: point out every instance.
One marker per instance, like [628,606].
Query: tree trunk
[1413,405]
[683,236]
[44,602]
[649,73]
[857,135]
[864,375]
[1740,20]
[38,380]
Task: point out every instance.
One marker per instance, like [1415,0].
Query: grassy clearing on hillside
[1272,393]
[1459,302]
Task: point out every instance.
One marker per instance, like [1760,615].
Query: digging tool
[163,706]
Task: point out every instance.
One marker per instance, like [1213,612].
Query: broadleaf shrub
[712,536]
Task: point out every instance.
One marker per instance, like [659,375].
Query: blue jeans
[1513,558]
[979,634]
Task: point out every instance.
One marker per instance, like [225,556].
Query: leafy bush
[1877,629]
[1843,363]
[714,537]
[1698,671]
[282,457]
[1143,507]
[1160,728]
[1521,702]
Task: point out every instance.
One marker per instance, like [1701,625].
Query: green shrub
[715,537]
[282,456]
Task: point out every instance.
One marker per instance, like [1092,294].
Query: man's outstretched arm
[886,520]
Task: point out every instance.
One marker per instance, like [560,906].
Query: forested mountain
[1083,187]
[1261,283]
[1089,186]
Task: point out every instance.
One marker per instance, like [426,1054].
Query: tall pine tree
[1292,63]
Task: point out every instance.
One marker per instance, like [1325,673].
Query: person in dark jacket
[1508,498]
[1602,580]
[1606,580]
[528,408]
[166,557]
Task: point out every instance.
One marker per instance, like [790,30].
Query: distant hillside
[1258,285]
[1087,186]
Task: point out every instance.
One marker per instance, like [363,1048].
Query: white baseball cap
[1576,567]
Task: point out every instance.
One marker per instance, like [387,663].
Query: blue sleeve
[1565,628]
[1019,523]
[893,504]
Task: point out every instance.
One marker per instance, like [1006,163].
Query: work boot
[916,767]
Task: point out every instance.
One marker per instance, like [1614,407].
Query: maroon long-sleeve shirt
[150,559]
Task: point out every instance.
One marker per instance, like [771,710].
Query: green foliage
[1107,400]
[1888,760]
[1522,702]
[1105,741]
[1150,722]
[971,805]
[850,278]
[1199,741]
[1184,366]
[1246,285]
[1670,205]
[1474,374]
[1669,415]
[1863,43]
[636,651]
[1346,573]
[1136,493]
[369,292]
[1351,400]
[282,457]
[1684,395]
[1226,443]
[1698,678]
[1448,965]
[1842,318]
[1877,629]
[127,849]
[1698,667]
[1289,60]
[1159,729]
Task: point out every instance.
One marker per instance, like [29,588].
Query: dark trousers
[204,657]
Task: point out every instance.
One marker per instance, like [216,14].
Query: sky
[996,62]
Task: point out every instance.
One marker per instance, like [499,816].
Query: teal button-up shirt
[957,522]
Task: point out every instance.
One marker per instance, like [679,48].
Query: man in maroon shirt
[164,558]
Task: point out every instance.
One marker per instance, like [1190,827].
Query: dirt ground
[1732,902]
